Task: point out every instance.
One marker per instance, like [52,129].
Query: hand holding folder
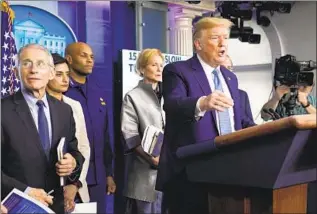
[60,156]
[152,140]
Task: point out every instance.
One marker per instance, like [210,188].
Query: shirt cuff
[199,113]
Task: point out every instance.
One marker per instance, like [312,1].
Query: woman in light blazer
[56,88]
[141,107]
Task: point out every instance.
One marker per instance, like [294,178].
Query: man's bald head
[80,58]
[75,47]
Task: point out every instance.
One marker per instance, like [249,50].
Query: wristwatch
[308,104]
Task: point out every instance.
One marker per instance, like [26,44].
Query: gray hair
[36,46]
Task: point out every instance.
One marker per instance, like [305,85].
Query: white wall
[258,85]
[297,30]
[251,67]
[251,54]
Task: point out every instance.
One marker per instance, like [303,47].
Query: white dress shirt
[210,77]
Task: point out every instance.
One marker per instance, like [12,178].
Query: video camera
[293,73]
[290,72]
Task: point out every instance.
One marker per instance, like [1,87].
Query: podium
[269,168]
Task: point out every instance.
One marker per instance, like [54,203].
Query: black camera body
[293,73]
[290,72]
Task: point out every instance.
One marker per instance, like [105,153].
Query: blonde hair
[210,22]
[144,57]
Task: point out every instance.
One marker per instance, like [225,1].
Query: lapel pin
[102,101]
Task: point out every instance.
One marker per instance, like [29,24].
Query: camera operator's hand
[280,91]
[302,98]
[274,101]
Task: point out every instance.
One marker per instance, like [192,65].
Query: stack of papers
[152,140]
[86,208]
[19,202]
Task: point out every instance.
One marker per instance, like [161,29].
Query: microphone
[268,112]
[276,115]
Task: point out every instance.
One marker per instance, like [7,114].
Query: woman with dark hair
[56,87]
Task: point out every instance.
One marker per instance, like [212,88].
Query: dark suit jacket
[246,109]
[184,83]
[94,103]
[23,159]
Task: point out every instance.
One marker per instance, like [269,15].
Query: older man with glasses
[32,125]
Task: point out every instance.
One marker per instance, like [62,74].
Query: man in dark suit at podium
[201,101]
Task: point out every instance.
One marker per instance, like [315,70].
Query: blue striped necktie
[43,128]
[224,117]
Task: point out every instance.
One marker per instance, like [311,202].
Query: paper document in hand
[60,155]
[86,208]
[19,202]
[152,140]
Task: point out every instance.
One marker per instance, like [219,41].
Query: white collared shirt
[210,77]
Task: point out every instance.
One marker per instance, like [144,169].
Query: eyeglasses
[40,64]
